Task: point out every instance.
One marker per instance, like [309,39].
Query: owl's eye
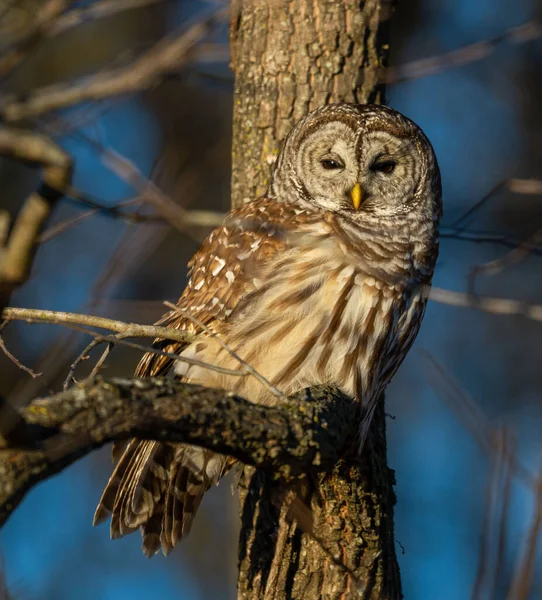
[331,164]
[383,166]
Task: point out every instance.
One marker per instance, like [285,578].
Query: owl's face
[358,160]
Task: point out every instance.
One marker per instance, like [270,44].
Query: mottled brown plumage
[322,280]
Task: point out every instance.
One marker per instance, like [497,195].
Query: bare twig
[245,366]
[183,220]
[98,10]
[12,358]
[493,267]
[463,56]
[33,315]
[63,226]
[522,582]
[192,218]
[131,250]
[42,23]
[115,212]
[84,355]
[99,363]
[473,418]
[528,187]
[509,449]
[459,224]
[16,256]
[147,71]
[479,237]
[120,338]
[489,507]
[496,306]
[457,231]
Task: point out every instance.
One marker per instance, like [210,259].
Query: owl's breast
[314,318]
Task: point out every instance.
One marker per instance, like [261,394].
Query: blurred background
[459,517]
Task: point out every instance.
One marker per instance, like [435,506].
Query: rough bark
[331,536]
[298,437]
[290,57]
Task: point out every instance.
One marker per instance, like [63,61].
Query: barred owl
[322,280]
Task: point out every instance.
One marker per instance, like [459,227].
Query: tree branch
[497,306]
[17,252]
[35,315]
[43,23]
[291,440]
[98,10]
[425,67]
[166,56]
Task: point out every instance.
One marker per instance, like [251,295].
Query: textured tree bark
[306,434]
[290,57]
[330,536]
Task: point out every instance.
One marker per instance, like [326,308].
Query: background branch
[166,56]
[43,22]
[18,250]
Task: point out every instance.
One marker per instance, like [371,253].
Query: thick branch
[290,440]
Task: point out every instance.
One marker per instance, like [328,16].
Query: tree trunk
[330,536]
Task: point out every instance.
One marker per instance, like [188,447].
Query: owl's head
[358,160]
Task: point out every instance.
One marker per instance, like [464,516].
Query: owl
[324,279]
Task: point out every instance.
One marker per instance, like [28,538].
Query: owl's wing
[224,270]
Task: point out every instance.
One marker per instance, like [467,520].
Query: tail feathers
[193,472]
[158,488]
[143,487]
[105,506]
[151,532]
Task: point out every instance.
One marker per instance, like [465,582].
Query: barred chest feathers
[318,314]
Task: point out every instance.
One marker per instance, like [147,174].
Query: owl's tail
[158,487]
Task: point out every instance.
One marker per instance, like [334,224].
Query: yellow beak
[357,196]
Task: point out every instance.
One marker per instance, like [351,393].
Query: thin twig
[98,10]
[460,223]
[489,508]
[522,582]
[245,366]
[115,212]
[84,355]
[528,187]
[34,315]
[41,24]
[509,449]
[168,55]
[462,56]
[119,339]
[130,251]
[472,417]
[479,237]
[63,226]
[515,256]
[14,360]
[488,304]
[125,330]
[101,360]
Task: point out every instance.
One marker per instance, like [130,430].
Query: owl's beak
[356,193]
